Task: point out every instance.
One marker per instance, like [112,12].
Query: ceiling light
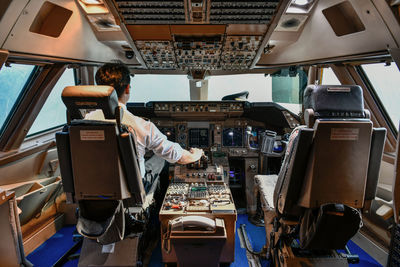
[300,6]
[92,2]
[301,2]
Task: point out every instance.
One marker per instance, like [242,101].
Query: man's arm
[168,150]
[190,156]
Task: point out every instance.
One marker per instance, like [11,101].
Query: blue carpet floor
[54,248]
[365,259]
[49,252]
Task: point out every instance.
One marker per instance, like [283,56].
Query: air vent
[104,23]
[291,22]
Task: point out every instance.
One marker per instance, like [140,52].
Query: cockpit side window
[329,77]
[384,78]
[53,112]
[13,81]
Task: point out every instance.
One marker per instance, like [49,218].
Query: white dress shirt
[147,136]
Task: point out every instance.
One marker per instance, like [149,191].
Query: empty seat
[330,170]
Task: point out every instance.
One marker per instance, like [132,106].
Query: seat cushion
[266,186]
[330,226]
[108,227]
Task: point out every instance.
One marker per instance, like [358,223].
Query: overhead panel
[242,12]
[239,52]
[198,52]
[197,34]
[152,12]
[157,54]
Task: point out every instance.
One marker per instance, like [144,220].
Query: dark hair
[116,75]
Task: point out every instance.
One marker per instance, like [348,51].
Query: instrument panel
[169,132]
[229,133]
[174,109]
[232,137]
[230,128]
[198,137]
[229,137]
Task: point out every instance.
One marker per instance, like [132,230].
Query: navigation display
[255,137]
[232,137]
[198,137]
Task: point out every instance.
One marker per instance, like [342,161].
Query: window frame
[40,133]
[34,74]
[29,104]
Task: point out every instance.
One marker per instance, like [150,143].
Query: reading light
[93,7]
[92,2]
[300,6]
[301,2]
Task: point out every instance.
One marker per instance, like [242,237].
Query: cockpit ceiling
[197,34]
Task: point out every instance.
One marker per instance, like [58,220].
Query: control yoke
[267,141]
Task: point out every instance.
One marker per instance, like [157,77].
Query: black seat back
[98,158]
[331,166]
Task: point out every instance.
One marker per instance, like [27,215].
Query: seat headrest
[80,97]
[334,101]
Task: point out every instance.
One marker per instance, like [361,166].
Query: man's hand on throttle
[197,153]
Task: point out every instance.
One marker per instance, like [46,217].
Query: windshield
[255,84]
[53,113]
[281,88]
[154,87]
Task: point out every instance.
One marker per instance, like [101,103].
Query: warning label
[92,135]
[344,133]
[108,248]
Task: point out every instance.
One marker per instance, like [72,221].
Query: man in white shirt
[148,135]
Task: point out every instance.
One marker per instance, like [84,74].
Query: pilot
[147,134]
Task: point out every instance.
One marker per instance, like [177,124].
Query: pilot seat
[329,175]
[100,171]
